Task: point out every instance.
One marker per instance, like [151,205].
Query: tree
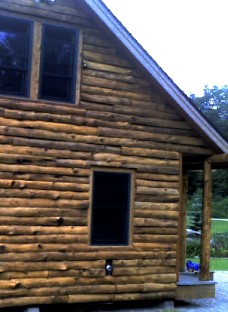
[214,105]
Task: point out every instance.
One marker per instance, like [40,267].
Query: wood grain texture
[119,121]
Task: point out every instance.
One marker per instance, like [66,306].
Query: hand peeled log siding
[46,155]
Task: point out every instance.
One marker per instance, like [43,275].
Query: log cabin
[95,144]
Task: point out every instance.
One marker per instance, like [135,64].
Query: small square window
[58,64]
[15,42]
[110,208]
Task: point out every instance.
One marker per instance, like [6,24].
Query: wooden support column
[206,224]
[183,222]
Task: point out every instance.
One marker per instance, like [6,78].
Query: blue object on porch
[192,266]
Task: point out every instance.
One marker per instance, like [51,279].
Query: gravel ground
[218,304]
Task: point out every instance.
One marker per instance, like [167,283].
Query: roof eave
[157,73]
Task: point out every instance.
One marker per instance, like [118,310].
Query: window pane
[110,208]
[58,64]
[14,54]
[50,87]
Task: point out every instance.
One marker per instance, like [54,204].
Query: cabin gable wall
[48,151]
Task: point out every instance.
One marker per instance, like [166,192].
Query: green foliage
[220,183]
[193,248]
[219,193]
[220,209]
[214,105]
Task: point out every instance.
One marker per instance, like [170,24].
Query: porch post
[206,224]
[183,221]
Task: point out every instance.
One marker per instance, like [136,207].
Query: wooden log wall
[47,151]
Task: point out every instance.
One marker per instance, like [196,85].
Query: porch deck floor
[191,287]
[191,278]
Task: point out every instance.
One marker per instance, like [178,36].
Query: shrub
[193,248]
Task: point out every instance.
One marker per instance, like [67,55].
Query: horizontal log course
[28,301]
[142,271]
[48,126]
[44,170]
[95,38]
[145,288]
[156,206]
[41,202]
[155,246]
[84,274]
[155,238]
[101,50]
[33,177]
[134,160]
[89,254]
[126,81]
[157,184]
[116,93]
[145,296]
[33,193]
[50,239]
[41,185]
[83,142]
[149,278]
[155,222]
[152,153]
[167,120]
[158,214]
[157,198]
[140,135]
[158,177]
[42,282]
[34,212]
[28,105]
[109,100]
[155,230]
[51,266]
[144,263]
[145,190]
[81,265]
[96,107]
[168,130]
[60,291]
[100,289]
[45,143]
[114,84]
[42,161]
[108,68]
[45,221]
[105,59]
[59,119]
[40,230]
[93,113]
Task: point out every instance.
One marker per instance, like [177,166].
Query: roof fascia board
[156,72]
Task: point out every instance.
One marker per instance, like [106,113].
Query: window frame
[29,48]
[130,206]
[75,69]
[34,60]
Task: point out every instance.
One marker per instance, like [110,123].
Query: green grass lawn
[218,226]
[216,264]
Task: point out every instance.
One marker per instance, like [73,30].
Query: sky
[187,38]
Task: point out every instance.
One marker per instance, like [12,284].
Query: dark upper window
[15,37]
[58,64]
[110,208]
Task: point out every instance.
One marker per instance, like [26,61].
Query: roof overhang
[157,74]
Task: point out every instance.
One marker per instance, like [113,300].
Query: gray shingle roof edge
[156,72]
